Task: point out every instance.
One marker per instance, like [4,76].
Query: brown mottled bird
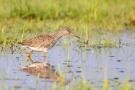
[45,42]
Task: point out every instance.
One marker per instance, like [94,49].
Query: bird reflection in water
[44,70]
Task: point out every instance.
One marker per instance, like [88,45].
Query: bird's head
[68,31]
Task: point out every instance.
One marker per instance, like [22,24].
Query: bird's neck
[58,34]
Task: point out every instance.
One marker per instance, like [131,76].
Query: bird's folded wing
[40,41]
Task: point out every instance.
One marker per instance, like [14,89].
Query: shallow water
[96,64]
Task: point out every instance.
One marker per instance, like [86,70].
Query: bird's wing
[45,41]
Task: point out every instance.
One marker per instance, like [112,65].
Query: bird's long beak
[74,35]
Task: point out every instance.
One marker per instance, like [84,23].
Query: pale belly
[38,49]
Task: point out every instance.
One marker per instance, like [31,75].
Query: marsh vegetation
[102,59]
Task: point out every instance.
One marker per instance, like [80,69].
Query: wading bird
[45,42]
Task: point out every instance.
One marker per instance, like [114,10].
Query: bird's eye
[68,30]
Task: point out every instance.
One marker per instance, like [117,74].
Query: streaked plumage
[45,42]
[40,43]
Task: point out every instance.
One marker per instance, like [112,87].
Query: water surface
[115,64]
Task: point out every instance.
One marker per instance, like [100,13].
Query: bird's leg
[30,53]
[44,56]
